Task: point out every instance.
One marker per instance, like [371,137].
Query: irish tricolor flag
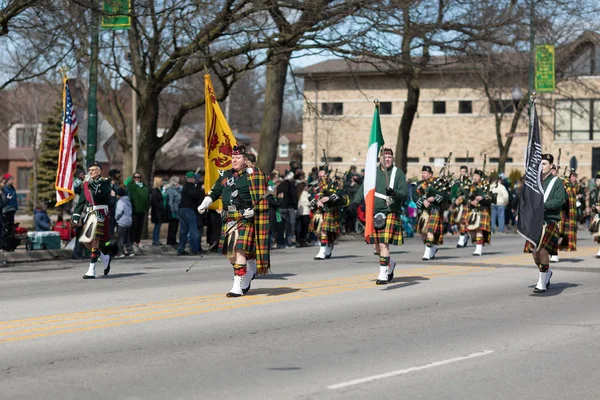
[375,143]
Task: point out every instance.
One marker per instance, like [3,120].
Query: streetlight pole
[531,50]
[92,126]
[134,145]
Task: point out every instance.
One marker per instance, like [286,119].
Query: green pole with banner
[116,15]
[545,80]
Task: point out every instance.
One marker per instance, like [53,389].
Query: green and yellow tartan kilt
[549,241]
[435,225]
[485,225]
[391,233]
[568,231]
[245,240]
[332,220]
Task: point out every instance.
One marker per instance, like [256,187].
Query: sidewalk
[20,255]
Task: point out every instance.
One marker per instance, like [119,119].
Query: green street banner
[116,14]
[544,68]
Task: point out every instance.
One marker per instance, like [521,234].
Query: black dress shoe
[536,290]
[89,277]
[248,288]
[378,282]
[231,294]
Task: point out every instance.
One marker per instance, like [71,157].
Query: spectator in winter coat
[41,218]
[303,214]
[140,203]
[173,200]
[124,220]
[191,196]
[499,208]
[158,204]
[11,205]
[289,204]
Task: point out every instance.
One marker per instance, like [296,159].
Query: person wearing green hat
[140,201]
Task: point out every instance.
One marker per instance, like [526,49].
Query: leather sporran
[317,222]
[422,222]
[379,221]
[474,221]
[595,226]
[88,233]
[231,239]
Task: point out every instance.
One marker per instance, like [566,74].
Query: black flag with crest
[531,199]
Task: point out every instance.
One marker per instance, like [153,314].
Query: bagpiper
[595,202]
[326,201]
[430,204]
[568,217]
[245,220]
[390,193]
[93,207]
[554,198]
[479,220]
[459,197]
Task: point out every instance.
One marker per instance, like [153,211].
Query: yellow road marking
[526,259]
[59,324]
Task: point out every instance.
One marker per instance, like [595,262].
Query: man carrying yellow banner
[219,140]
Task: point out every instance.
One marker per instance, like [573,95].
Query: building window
[385,108]
[284,150]
[502,107]
[577,119]
[412,159]
[464,160]
[25,137]
[23,176]
[496,159]
[332,159]
[465,107]
[439,107]
[196,144]
[332,108]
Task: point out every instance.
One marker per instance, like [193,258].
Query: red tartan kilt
[391,233]
[245,241]
[549,241]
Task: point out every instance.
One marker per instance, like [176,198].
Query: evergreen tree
[48,157]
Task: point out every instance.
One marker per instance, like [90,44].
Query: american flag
[67,157]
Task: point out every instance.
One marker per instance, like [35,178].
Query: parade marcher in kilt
[480,221]
[390,193]
[554,199]
[595,206]
[430,205]
[245,217]
[326,203]
[568,217]
[93,204]
[459,196]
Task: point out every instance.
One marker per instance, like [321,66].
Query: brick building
[454,114]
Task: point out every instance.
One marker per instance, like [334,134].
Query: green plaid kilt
[435,225]
[391,233]
[485,225]
[245,241]
[549,241]
[332,220]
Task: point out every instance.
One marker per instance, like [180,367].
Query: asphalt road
[457,327]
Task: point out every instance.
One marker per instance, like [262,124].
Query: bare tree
[11,9]
[307,25]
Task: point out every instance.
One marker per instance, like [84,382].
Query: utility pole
[92,127]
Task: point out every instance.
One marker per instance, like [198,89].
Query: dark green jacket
[400,192]
[139,196]
[230,182]
[556,199]
[100,191]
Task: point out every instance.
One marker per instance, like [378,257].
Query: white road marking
[408,370]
